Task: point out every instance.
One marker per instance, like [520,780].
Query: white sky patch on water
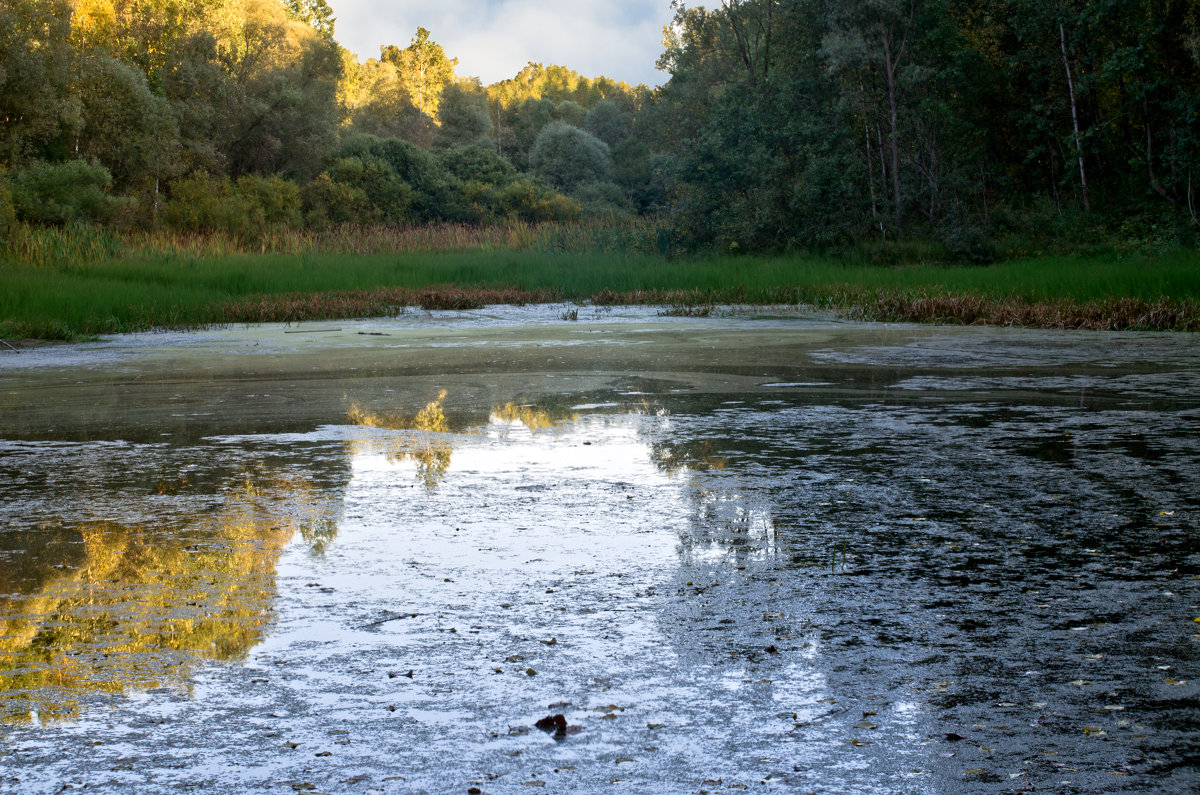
[494,39]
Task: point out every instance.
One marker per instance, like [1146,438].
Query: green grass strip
[129,294]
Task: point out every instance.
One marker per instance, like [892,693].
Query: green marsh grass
[82,283]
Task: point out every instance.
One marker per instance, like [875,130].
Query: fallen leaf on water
[323,753]
[530,672]
[975,771]
[553,723]
[1094,731]
[622,759]
[551,642]
[1081,682]
[857,742]
[1170,681]
[534,783]
[865,725]
[654,725]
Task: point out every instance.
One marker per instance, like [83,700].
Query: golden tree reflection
[143,604]
[430,449]
[535,418]
[426,438]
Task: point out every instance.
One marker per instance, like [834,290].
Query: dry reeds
[82,244]
[1112,314]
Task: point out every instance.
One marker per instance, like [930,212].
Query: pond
[750,551]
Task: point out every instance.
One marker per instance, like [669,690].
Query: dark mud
[732,553]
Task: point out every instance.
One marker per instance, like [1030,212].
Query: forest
[783,125]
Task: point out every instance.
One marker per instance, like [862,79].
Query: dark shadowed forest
[784,125]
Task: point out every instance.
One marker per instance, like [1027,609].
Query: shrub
[601,198]
[477,163]
[389,198]
[244,209]
[532,202]
[327,201]
[201,203]
[277,198]
[567,157]
[60,193]
[436,193]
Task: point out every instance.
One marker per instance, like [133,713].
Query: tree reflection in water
[139,605]
[426,439]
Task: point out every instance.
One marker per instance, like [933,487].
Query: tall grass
[83,244]
[85,280]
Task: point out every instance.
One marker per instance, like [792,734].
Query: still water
[761,552]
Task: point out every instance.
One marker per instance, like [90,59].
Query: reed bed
[85,244]
[1113,314]
[83,281]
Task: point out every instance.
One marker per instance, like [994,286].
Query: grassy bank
[180,289]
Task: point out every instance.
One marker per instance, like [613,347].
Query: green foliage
[436,193]
[8,213]
[36,105]
[529,201]
[62,193]
[463,115]
[423,69]
[388,197]
[567,157]
[125,126]
[601,198]
[531,118]
[327,201]
[607,122]
[316,13]
[570,112]
[478,163]
[244,208]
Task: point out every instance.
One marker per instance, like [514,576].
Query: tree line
[783,124]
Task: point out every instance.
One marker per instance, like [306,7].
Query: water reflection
[103,607]
[185,570]
[797,592]
[427,438]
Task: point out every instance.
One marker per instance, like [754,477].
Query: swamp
[507,551]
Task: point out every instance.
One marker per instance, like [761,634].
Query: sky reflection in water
[966,584]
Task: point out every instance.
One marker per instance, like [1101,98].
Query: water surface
[761,552]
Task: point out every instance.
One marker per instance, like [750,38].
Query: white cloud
[494,39]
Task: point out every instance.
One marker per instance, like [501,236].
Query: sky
[494,39]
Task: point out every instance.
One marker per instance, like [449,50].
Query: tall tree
[423,69]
